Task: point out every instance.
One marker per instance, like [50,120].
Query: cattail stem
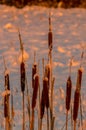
[66,119]
[47,120]
[39,111]
[12,111]
[43,65]
[6,124]
[74,125]
[32,121]
[40,124]
[81,112]
[23,127]
[28,100]
[71,118]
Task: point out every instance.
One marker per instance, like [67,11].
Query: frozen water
[69,39]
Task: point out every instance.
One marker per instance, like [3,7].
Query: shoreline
[48,4]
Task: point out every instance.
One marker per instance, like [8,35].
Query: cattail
[45,97]
[77,94]
[45,92]
[22,70]
[6,106]
[68,93]
[47,73]
[35,90]
[79,79]
[50,40]
[34,70]
[7,84]
[76,104]
[50,37]
[42,106]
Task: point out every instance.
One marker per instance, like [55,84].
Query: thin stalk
[28,99]
[47,120]
[65,125]
[66,119]
[40,124]
[74,125]
[6,124]
[23,123]
[81,112]
[51,101]
[39,103]
[71,118]
[12,111]
[43,65]
[32,121]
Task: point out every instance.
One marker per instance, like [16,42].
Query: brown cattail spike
[34,71]
[47,73]
[46,92]
[68,93]
[79,79]
[22,71]
[35,90]
[76,104]
[50,34]
[6,106]
[42,106]
[7,84]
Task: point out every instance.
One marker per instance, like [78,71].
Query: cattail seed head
[79,79]
[68,93]
[50,41]
[22,71]
[7,84]
[47,73]
[76,104]
[35,90]
[42,106]
[46,92]
[34,71]
[6,106]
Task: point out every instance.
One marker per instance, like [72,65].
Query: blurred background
[48,3]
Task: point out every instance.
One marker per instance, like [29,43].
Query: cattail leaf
[22,71]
